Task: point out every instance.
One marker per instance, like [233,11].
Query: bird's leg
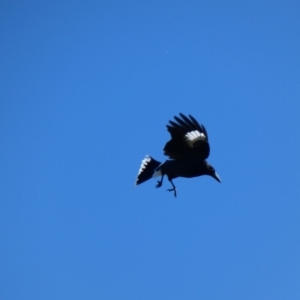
[173,189]
[159,182]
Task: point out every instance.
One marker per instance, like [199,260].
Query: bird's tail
[148,169]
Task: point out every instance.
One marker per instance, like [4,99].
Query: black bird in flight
[187,149]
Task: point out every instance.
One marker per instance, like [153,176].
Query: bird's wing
[188,139]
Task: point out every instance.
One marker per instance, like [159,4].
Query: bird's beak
[216,176]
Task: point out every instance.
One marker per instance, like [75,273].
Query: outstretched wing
[188,139]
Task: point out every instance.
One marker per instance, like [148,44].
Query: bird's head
[212,172]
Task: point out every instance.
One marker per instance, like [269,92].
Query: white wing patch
[194,136]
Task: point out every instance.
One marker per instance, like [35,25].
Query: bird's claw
[170,190]
[159,184]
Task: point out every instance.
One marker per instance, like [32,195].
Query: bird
[187,150]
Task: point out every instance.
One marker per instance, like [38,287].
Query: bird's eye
[212,170]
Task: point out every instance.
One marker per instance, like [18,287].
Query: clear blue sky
[86,90]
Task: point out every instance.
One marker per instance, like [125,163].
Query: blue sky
[86,90]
